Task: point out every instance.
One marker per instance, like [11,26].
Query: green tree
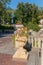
[3,8]
[27,14]
[5,2]
[8,15]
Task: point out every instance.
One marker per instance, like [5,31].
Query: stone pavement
[34,58]
[6,59]
[8,48]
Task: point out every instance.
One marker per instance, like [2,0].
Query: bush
[2,27]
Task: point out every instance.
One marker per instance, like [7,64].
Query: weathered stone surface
[21,54]
[20,41]
[34,58]
[20,57]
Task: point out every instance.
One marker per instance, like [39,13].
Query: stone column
[32,42]
[42,54]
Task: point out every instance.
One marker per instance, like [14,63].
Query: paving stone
[34,58]
[6,59]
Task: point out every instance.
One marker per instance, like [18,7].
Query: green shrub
[2,27]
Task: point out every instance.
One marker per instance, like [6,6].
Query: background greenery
[25,13]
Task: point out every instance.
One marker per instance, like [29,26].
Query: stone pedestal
[20,57]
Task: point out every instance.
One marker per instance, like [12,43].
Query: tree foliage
[3,10]
[8,15]
[25,13]
[28,14]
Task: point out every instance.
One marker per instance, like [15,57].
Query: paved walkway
[6,59]
[6,45]
[8,48]
[34,58]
